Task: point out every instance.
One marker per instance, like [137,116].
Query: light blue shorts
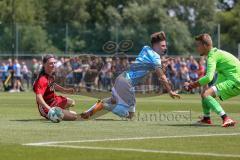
[124,95]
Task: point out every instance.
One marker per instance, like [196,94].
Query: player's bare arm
[162,77]
[41,101]
[64,90]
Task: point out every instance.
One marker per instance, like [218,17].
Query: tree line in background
[36,26]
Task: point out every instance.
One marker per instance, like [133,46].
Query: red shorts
[59,101]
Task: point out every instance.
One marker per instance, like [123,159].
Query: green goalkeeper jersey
[225,64]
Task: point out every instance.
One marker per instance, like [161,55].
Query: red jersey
[45,86]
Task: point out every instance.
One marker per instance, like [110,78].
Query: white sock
[90,109]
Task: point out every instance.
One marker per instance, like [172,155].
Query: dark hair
[44,61]
[47,57]
[158,37]
[204,39]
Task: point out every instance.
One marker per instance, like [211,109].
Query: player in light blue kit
[122,102]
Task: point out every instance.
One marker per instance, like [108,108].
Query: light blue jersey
[148,60]
[123,89]
[17,70]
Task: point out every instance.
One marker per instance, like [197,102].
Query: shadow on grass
[30,120]
[188,125]
[109,119]
[47,121]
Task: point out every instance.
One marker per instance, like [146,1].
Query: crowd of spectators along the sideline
[97,73]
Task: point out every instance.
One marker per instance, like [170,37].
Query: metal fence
[21,39]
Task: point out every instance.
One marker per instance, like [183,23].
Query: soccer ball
[55,114]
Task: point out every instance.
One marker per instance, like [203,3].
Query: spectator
[68,72]
[60,71]
[17,77]
[201,68]
[26,74]
[91,74]
[99,73]
[106,75]
[10,82]
[77,71]
[4,74]
[193,66]
[184,72]
[34,69]
[201,71]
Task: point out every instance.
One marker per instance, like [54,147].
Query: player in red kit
[45,87]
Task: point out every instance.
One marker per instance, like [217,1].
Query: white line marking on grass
[147,151]
[131,138]
[180,111]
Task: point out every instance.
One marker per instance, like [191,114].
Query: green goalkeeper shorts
[228,89]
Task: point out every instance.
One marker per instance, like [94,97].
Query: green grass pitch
[161,130]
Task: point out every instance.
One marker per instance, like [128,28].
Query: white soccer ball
[55,114]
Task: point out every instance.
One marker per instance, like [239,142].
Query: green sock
[214,105]
[206,109]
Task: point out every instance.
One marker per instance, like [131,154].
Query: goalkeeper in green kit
[228,82]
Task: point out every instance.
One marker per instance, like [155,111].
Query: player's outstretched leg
[93,110]
[100,108]
[209,101]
